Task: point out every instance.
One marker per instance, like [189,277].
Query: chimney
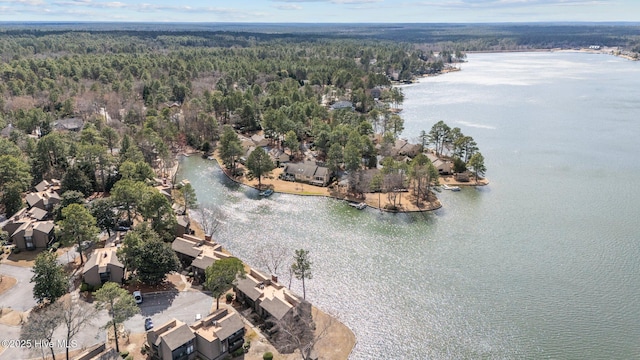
[274,278]
[207,238]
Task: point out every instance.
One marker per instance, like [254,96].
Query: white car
[137,295]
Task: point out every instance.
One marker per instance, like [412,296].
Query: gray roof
[185,247]
[248,287]
[43,226]
[42,185]
[6,132]
[304,169]
[72,124]
[277,307]
[178,336]
[37,213]
[203,262]
[33,198]
[95,259]
[342,105]
[229,326]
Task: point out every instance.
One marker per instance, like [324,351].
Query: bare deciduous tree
[75,315]
[272,256]
[300,330]
[39,328]
[208,219]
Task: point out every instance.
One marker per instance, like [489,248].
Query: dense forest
[149,89]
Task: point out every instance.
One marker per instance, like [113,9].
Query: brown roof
[102,258]
[203,262]
[276,306]
[43,226]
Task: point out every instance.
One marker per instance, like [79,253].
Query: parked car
[137,295]
[148,324]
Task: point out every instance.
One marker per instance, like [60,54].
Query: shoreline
[371,199]
[612,51]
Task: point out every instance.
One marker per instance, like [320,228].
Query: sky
[322,11]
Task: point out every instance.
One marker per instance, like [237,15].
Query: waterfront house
[444,167]
[308,172]
[197,253]
[245,142]
[212,338]
[267,297]
[278,156]
[183,225]
[103,266]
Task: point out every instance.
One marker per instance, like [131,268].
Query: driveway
[20,296]
[163,307]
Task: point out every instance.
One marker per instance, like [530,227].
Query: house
[444,167]
[259,140]
[308,172]
[45,200]
[245,142]
[103,266]
[265,295]
[98,352]
[218,334]
[197,253]
[342,105]
[278,156]
[32,235]
[171,341]
[70,124]
[6,132]
[403,148]
[211,338]
[183,225]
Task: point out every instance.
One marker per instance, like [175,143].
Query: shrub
[267,356]
[229,298]
[238,352]
[124,354]
[85,287]
[16,250]
[129,357]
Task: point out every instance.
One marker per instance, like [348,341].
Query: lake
[541,263]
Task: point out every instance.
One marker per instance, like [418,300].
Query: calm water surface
[542,263]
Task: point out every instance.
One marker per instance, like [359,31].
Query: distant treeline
[463,37]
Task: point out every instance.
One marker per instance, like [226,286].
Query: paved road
[20,296]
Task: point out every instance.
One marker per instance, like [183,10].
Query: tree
[119,303]
[188,195]
[110,136]
[222,275]
[76,180]
[272,256]
[439,135]
[127,195]
[230,148]
[14,171]
[40,327]
[79,226]
[291,141]
[302,268]
[12,198]
[74,315]
[334,157]
[102,211]
[302,329]
[156,208]
[49,278]
[477,164]
[259,163]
